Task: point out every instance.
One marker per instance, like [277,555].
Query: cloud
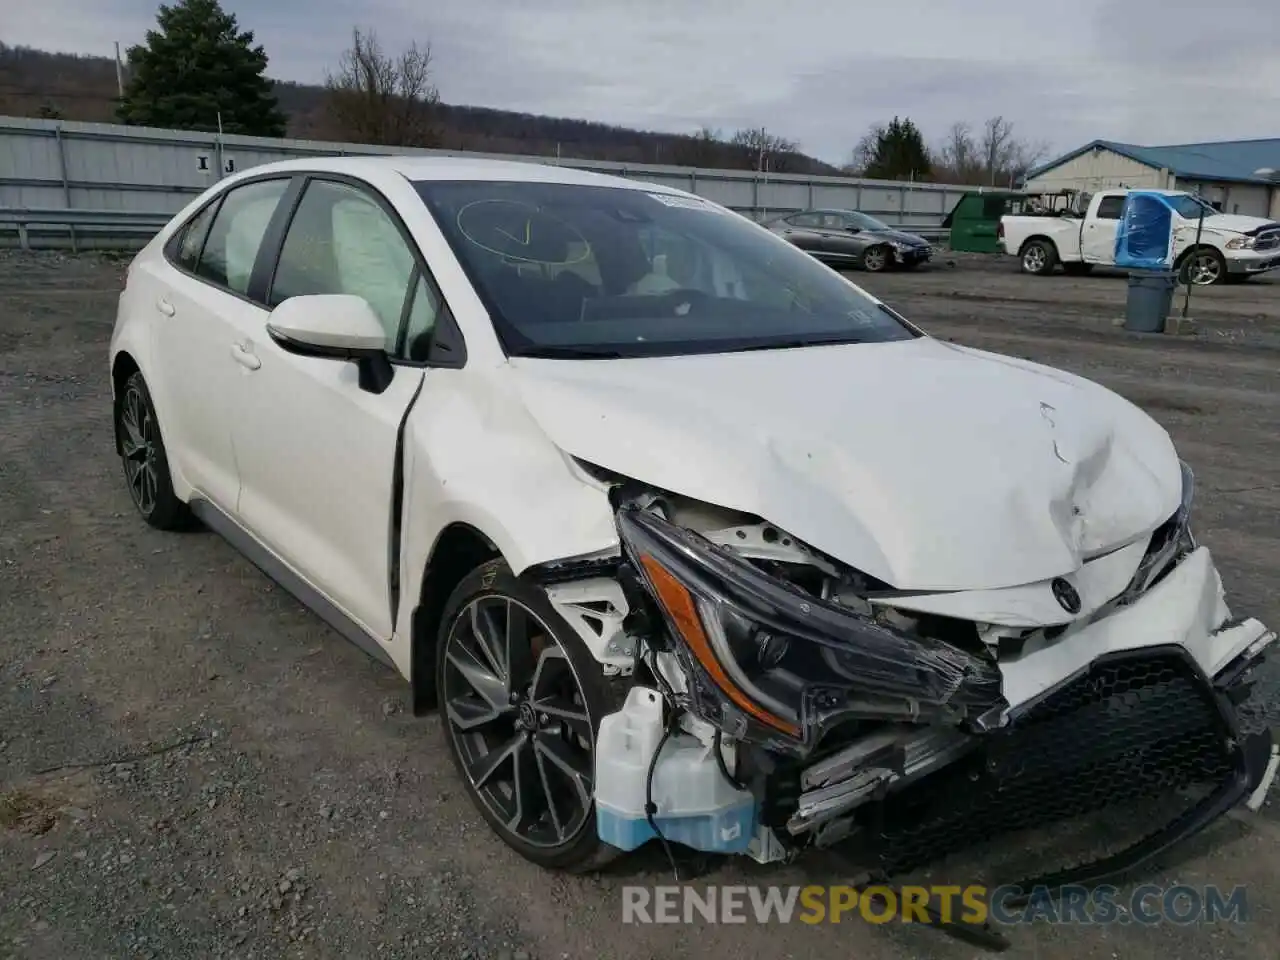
[819,72]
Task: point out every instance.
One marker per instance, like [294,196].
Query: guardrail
[105,229]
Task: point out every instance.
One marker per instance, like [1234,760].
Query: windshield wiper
[569,353]
[797,342]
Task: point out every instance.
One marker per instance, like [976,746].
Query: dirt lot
[193,766]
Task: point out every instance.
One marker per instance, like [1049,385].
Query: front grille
[1267,240]
[1091,770]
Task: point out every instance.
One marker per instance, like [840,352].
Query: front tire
[145,461]
[876,259]
[521,700]
[1204,267]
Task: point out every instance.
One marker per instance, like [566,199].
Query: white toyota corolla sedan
[687,536]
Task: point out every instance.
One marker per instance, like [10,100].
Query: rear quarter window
[190,240]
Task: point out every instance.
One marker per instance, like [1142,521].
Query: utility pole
[221,157]
[764,139]
[119,73]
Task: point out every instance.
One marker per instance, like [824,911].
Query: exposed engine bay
[777,699]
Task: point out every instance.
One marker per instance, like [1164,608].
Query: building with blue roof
[1240,176]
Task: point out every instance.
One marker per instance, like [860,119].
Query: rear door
[843,237]
[201,298]
[317,454]
[1098,242]
[804,230]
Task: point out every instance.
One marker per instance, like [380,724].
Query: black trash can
[1150,300]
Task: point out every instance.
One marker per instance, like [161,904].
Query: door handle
[165,307]
[244,357]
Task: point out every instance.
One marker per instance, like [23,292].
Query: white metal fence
[48,166]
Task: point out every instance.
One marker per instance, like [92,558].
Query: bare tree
[1024,156]
[706,148]
[997,138]
[374,97]
[1005,156]
[765,150]
[864,152]
[995,157]
[957,155]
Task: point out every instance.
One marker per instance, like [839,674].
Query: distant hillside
[36,83]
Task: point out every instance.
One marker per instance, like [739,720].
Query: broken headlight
[1182,518]
[769,661]
[1170,542]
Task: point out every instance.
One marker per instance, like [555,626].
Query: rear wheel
[1039,258]
[521,701]
[876,259]
[146,464]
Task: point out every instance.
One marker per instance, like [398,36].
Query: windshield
[1190,207]
[864,222]
[569,270]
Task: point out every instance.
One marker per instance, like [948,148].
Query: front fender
[473,455]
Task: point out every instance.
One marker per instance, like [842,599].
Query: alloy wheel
[138,444]
[515,711]
[1033,260]
[875,259]
[1204,269]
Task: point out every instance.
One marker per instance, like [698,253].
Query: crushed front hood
[1228,223]
[924,464]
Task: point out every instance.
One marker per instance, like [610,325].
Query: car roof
[1162,192]
[837,210]
[444,167]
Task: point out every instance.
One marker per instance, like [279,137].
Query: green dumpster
[974,219]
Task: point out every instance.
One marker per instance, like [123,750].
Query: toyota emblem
[1066,595]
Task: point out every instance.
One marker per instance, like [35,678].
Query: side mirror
[337,326]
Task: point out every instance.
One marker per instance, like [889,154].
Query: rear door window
[237,233]
[1111,206]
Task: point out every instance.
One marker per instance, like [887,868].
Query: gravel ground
[191,765]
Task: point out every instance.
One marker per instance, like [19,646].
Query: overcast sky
[816,71]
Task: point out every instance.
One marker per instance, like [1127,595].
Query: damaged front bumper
[1166,697]
[853,732]
[1136,727]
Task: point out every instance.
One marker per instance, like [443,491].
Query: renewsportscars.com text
[1104,904]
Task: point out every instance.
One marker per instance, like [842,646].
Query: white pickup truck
[1230,246]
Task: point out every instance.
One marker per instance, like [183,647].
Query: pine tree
[199,64]
[899,153]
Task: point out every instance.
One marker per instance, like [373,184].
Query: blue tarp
[1144,237]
